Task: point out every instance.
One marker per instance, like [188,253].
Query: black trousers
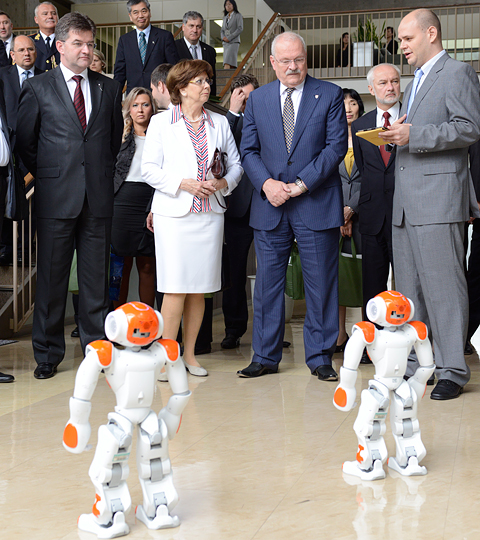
[238,237]
[56,240]
[473,281]
[377,255]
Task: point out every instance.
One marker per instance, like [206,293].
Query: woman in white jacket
[188,202]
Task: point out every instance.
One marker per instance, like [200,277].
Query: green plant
[368,32]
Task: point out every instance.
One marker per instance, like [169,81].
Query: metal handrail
[252,49]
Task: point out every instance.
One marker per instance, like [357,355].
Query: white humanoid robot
[132,366]
[388,349]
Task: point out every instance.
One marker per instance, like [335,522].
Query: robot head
[390,308]
[134,324]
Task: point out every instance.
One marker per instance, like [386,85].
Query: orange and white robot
[388,349]
[132,361]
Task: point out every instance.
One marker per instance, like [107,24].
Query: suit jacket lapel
[60,88]
[274,111]
[96,93]
[152,38]
[14,80]
[307,104]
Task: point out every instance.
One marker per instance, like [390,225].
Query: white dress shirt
[146,32]
[44,37]
[21,71]
[4,149]
[197,47]
[8,45]
[394,113]
[84,85]
[296,97]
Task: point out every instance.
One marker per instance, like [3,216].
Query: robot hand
[172,413]
[77,431]
[345,393]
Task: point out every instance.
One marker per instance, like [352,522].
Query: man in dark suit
[24,53]
[6,175]
[69,132]
[190,47]
[6,36]
[46,17]
[140,51]
[292,161]
[238,233]
[377,170]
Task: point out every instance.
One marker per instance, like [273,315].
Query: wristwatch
[299,183]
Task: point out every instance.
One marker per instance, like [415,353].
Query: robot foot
[88,523]
[376,473]
[412,468]
[162,519]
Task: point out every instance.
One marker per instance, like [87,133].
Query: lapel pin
[316,97]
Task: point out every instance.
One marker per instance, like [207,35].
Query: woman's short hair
[351,92]
[100,56]
[127,103]
[234,4]
[182,73]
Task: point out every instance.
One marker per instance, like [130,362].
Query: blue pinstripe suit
[313,218]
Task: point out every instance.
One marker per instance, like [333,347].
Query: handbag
[219,168]
[349,277]
[294,287]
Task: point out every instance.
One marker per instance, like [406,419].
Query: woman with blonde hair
[130,238]
[188,203]
[98,62]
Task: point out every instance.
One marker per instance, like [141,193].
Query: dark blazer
[241,197]
[319,145]
[376,193]
[4,61]
[44,61]
[11,90]
[67,163]
[208,54]
[128,63]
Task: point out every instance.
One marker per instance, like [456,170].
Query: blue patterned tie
[143,46]
[288,119]
[416,81]
[25,76]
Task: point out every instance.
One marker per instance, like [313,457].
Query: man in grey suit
[440,119]
[69,131]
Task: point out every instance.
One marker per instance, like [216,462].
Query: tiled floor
[254,459]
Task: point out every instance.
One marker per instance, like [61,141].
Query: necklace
[193,121]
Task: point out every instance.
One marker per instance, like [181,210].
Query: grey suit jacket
[234,28]
[432,180]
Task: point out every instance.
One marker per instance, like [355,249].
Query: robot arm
[345,393]
[177,377]
[426,367]
[77,431]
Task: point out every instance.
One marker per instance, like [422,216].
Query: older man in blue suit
[294,137]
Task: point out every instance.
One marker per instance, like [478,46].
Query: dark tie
[143,46]
[385,154]
[47,44]
[79,102]
[288,119]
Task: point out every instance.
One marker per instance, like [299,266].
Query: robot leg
[406,431]
[154,469]
[370,428]
[108,472]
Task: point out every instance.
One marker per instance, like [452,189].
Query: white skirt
[188,252]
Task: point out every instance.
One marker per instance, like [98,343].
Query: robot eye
[138,333]
[396,315]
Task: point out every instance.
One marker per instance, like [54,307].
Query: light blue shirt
[146,32]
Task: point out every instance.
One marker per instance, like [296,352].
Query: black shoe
[468,349]
[365,358]
[255,369]
[75,332]
[341,348]
[446,389]
[286,344]
[45,370]
[6,259]
[207,349]
[430,382]
[326,373]
[6,378]
[230,342]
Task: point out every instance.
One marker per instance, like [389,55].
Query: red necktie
[385,154]
[79,102]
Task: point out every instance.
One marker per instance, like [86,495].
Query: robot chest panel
[391,354]
[133,379]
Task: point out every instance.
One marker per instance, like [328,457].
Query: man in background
[6,36]
[158,86]
[46,17]
[140,51]
[192,48]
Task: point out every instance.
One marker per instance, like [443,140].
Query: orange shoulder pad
[368,330]
[171,347]
[104,350]
[421,329]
